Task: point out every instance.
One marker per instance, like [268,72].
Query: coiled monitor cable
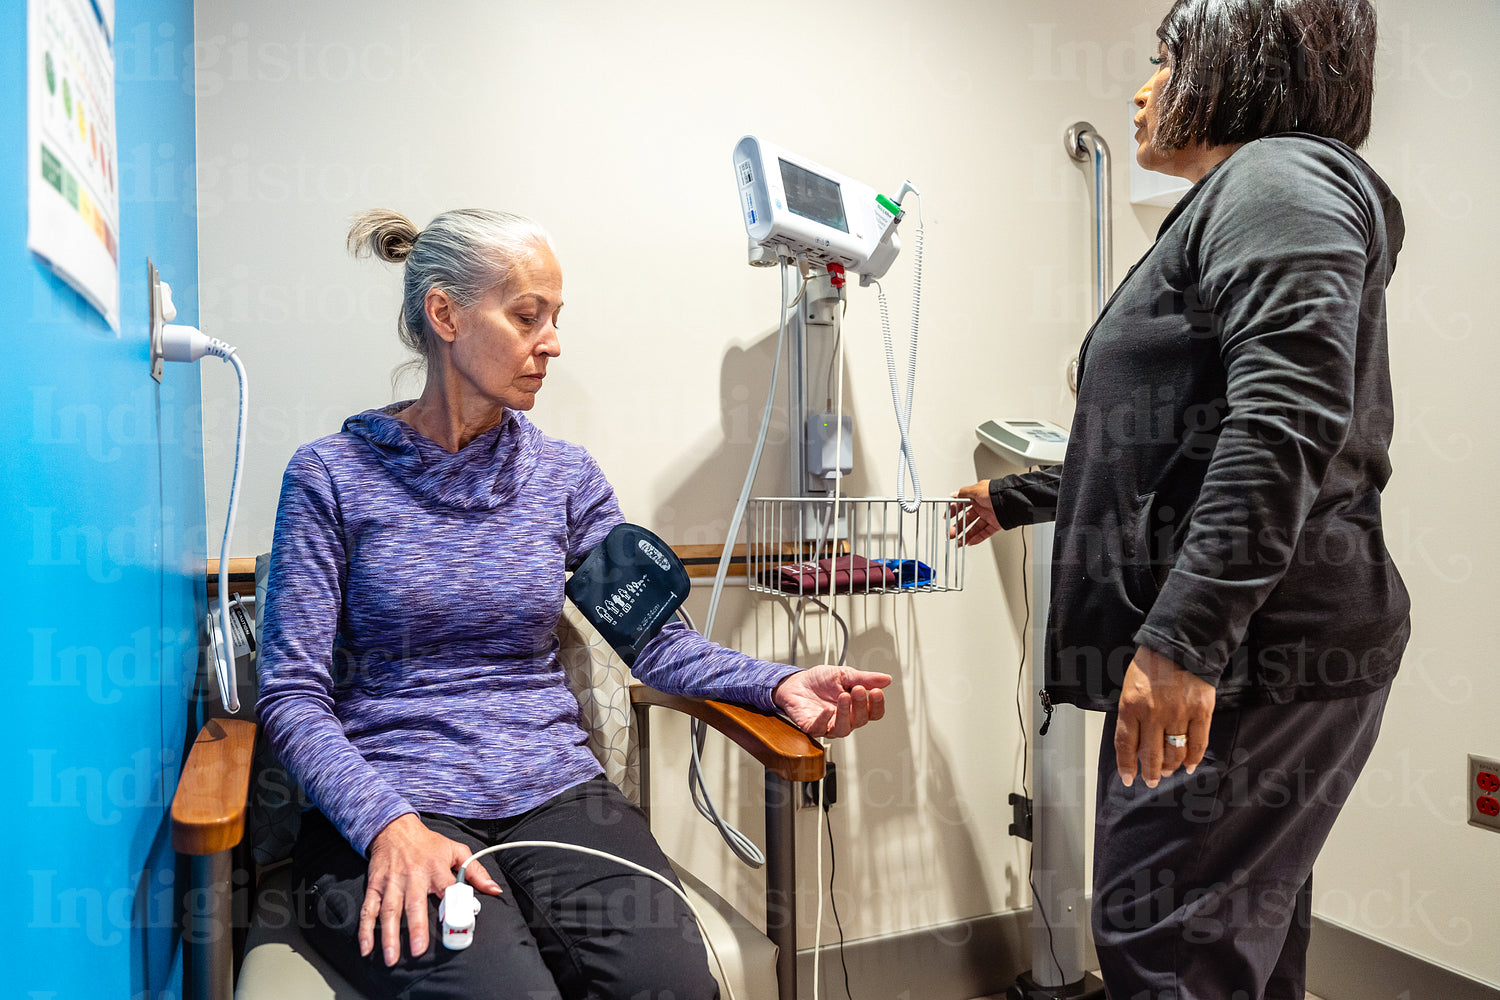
[908,461]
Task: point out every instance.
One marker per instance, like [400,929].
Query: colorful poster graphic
[73,219]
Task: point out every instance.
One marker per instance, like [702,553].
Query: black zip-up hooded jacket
[1220,498]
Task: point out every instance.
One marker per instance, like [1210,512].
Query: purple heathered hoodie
[408,661]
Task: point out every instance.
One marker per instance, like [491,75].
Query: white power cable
[186,343]
[228,682]
[838,484]
[833,551]
[728,989]
[818,881]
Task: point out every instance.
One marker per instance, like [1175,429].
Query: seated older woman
[409,676]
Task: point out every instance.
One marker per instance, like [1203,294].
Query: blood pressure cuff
[628,587]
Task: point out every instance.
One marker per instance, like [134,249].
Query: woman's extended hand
[982,522]
[1159,699]
[409,862]
[830,700]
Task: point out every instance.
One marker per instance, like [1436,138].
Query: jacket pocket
[1136,578]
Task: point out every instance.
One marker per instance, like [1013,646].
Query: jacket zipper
[1047,708]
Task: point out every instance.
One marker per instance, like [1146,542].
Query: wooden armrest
[780,746]
[208,811]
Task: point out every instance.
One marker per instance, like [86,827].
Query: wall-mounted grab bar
[1083,143]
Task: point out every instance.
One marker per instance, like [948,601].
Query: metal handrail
[1083,143]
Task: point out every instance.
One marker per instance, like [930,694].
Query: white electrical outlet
[158,319]
[1484,793]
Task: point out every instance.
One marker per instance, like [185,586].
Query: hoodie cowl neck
[484,474]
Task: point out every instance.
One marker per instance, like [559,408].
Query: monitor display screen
[813,196]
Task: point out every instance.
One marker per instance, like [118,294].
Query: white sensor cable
[186,343]
[742,846]
[641,869]
[838,484]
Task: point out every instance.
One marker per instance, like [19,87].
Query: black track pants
[1203,885]
[569,926]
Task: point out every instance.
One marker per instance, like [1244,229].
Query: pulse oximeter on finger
[456,912]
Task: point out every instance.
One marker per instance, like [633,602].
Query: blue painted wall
[103,545]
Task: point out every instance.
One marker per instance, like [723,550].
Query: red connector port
[1488,781]
[1488,806]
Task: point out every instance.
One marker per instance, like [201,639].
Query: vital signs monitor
[813,213]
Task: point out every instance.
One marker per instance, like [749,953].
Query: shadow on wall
[906,782]
[697,510]
[901,781]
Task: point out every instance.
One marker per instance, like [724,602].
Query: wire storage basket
[808,546]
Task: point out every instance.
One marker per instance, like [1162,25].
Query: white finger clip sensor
[457,911]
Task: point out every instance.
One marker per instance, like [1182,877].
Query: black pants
[1203,885]
[568,925]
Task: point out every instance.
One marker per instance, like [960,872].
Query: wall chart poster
[73,219]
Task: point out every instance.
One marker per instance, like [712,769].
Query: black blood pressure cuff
[628,586]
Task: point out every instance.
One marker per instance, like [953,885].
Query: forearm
[1239,544]
[299,624]
[1027,498]
[1289,394]
[680,661]
[311,744]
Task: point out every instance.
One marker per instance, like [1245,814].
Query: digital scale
[1025,442]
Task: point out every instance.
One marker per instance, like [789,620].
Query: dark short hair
[1242,69]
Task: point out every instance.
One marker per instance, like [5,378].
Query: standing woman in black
[1221,585]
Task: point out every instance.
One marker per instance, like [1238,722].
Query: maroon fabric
[798,578]
[844,574]
[857,573]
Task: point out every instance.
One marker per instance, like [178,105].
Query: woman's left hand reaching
[831,700]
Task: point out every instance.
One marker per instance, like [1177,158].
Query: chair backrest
[601,683]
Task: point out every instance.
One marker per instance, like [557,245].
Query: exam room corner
[246,139]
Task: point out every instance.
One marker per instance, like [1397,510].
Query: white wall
[613,125]
[1401,865]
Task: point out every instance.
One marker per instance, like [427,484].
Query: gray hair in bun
[465,253]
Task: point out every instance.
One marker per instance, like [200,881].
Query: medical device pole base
[1057,923]
[1090,987]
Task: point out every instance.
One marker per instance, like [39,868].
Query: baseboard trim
[1343,964]
[956,961]
[982,956]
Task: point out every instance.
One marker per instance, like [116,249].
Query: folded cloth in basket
[797,578]
[844,574]
[909,572]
